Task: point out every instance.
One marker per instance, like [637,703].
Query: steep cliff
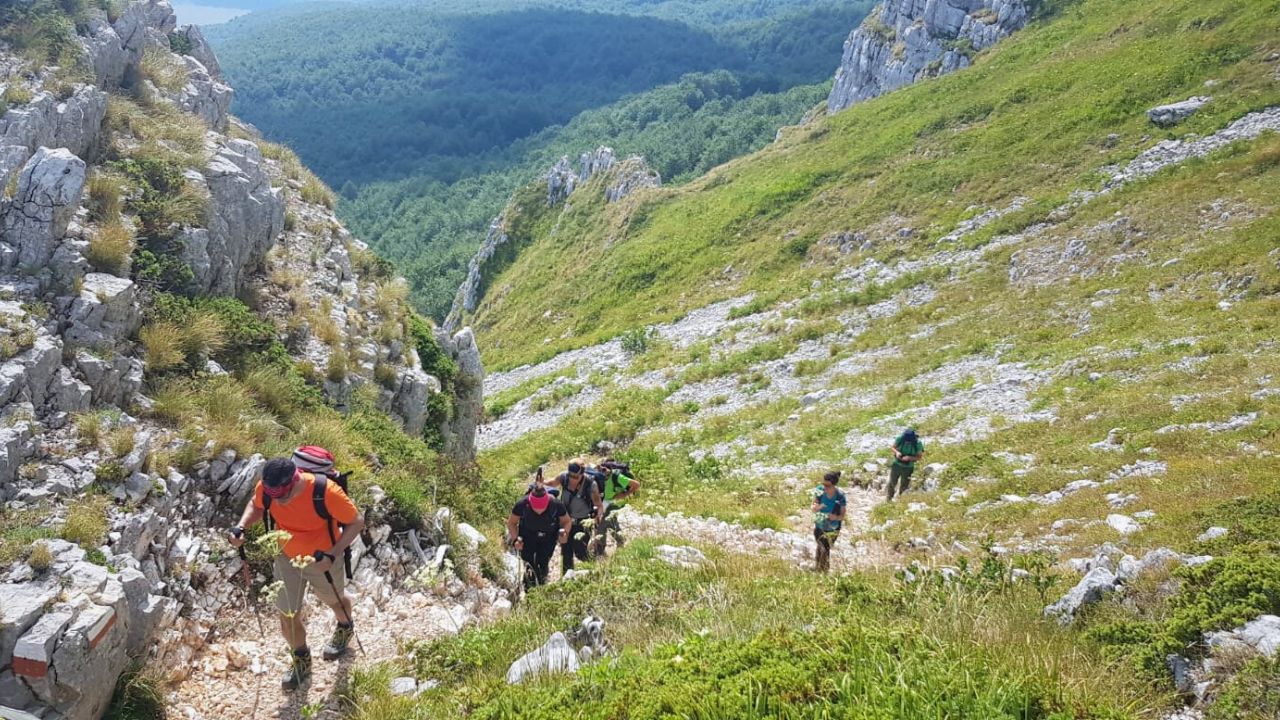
[905,41]
[178,300]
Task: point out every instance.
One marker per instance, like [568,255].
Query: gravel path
[238,674]
[851,551]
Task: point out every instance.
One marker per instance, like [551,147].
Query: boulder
[1213,533]
[114,379]
[555,656]
[1092,587]
[89,657]
[73,124]
[1123,524]
[48,194]
[404,686]
[681,556]
[472,537]
[204,96]
[23,605]
[145,24]
[105,313]
[1167,116]
[104,50]
[1261,634]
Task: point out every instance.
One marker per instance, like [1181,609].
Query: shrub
[290,221]
[164,344]
[121,441]
[385,375]
[40,558]
[86,523]
[1226,593]
[110,249]
[16,94]
[139,695]
[336,370]
[637,341]
[104,198]
[316,192]
[163,70]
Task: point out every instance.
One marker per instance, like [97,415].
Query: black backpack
[317,502]
[567,496]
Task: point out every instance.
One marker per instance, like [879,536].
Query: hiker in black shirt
[538,522]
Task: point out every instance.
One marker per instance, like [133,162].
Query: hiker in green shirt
[618,486]
[907,449]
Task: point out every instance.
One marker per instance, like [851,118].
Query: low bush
[16,94]
[86,523]
[110,249]
[40,558]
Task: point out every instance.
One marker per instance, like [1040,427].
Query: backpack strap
[267,521]
[319,485]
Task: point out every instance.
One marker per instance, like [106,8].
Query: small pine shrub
[637,341]
[40,558]
[110,249]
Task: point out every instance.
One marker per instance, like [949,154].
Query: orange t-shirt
[298,516]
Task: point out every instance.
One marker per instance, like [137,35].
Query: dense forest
[427,119]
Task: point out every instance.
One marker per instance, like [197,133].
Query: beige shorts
[289,601]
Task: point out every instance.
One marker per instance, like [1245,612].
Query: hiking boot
[337,646]
[299,671]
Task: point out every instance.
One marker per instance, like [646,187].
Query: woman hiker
[307,556]
[828,514]
[537,523]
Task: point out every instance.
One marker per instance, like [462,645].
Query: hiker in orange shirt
[297,503]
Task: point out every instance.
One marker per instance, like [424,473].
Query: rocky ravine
[160,586]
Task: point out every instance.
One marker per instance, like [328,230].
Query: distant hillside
[427,119]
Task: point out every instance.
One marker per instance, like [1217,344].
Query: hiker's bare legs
[294,629]
[343,612]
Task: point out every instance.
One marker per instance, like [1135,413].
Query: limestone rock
[105,313]
[905,41]
[681,556]
[459,431]
[1213,533]
[631,175]
[1167,116]
[473,537]
[561,182]
[104,49]
[203,96]
[1123,524]
[201,50]
[1261,634]
[48,194]
[245,216]
[468,296]
[73,124]
[145,24]
[404,686]
[1091,588]
[555,656]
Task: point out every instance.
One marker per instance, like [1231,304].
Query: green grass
[752,638]
[1027,98]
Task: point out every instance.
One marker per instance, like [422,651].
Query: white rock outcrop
[905,41]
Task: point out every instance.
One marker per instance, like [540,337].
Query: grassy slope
[916,158]
[1031,120]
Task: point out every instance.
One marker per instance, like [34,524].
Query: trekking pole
[248,589]
[332,586]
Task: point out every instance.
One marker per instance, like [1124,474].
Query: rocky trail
[237,675]
[852,551]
